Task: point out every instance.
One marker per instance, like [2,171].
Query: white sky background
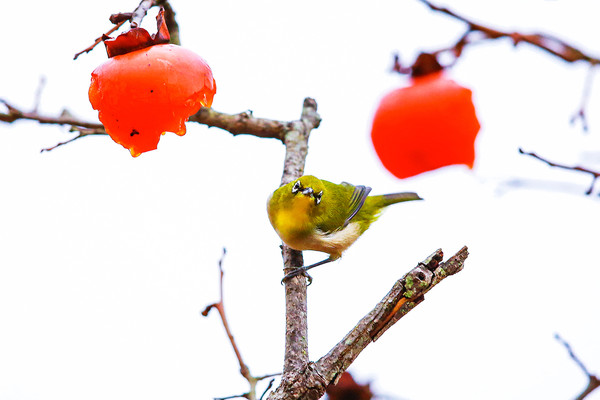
[106,261]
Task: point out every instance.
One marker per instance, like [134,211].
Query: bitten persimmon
[140,93]
[427,125]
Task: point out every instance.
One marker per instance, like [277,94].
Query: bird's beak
[308,191]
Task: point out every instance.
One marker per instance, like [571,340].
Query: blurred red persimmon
[427,125]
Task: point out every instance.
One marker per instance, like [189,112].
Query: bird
[314,214]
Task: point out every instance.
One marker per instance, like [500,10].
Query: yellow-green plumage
[314,214]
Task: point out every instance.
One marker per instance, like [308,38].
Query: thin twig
[595,174]
[476,32]
[14,114]
[546,42]
[119,19]
[269,386]
[244,370]
[593,380]
[235,396]
[572,354]
[99,40]
[220,307]
[82,133]
[38,94]
[581,112]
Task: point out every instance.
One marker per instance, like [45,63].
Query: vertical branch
[296,146]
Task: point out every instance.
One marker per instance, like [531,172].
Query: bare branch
[236,124]
[15,114]
[38,94]
[241,124]
[244,370]
[594,381]
[220,307]
[140,12]
[82,133]
[295,139]
[269,386]
[587,88]
[572,354]
[405,295]
[595,174]
[548,43]
[99,39]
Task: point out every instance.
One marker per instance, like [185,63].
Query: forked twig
[99,39]
[595,174]
[593,380]
[244,370]
[477,32]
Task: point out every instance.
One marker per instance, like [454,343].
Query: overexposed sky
[106,261]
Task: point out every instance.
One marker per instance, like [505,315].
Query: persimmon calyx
[137,38]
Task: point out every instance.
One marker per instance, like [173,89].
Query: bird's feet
[296,272]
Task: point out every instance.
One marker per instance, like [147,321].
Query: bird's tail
[393,198]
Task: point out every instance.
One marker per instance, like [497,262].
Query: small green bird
[314,214]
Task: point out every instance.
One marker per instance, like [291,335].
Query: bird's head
[306,188]
[302,195]
[292,207]
[299,200]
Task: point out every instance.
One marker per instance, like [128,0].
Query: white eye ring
[318,197]
[296,188]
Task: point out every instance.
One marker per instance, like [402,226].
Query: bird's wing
[359,195]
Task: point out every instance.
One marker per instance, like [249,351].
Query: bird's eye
[318,197]
[297,187]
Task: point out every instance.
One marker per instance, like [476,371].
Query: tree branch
[580,114]
[242,123]
[83,132]
[311,381]
[594,381]
[295,136]
[65,118]
[236,124]
[595,174]
[550,44]
[476,32]
[244,370]
[99,39]
[140,12]
[295,139]
[84,128]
